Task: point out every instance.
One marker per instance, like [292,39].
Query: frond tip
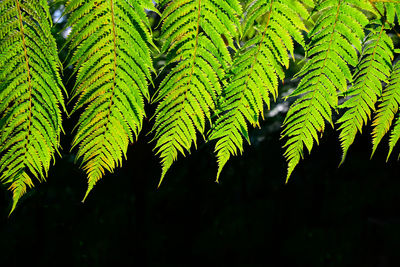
[30,94]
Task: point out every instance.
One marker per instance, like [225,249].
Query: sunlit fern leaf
[256,70]
[388,109]
[334,42]
[195,32]
[30,94]
[110,43]
[373,69]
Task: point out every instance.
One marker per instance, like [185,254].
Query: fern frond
[110,40]
[256,70]
[389,107]
[193,31]
[335,40]
[30,94]
[373,69]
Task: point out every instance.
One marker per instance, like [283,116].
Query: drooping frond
[30,94]
[335,40]
[256,70]
[373,69]
[110,40]
[388,109]
[195,32]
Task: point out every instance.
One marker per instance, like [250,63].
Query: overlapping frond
[388,108]
[195,32]
[256,70]
[334,42]
[110,40]
[372,70]
[30,94]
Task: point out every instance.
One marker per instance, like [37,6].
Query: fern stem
[115,57]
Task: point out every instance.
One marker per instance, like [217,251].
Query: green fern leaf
[30,94]
[389,107]
[110,40]
[194,32]
[256,70]
[373,69]
[335,40]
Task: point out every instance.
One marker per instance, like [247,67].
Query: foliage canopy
[224,61]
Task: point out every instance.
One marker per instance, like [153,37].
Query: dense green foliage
[113,63]
[223,62]
[30,94]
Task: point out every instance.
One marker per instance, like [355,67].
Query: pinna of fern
[110,41]
[334,42]
[256,71]
[30,94]
[193,32]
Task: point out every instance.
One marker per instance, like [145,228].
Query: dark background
[324,216]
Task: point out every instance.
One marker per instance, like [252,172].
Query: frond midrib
[113,88]
[21,27]
[115,58]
